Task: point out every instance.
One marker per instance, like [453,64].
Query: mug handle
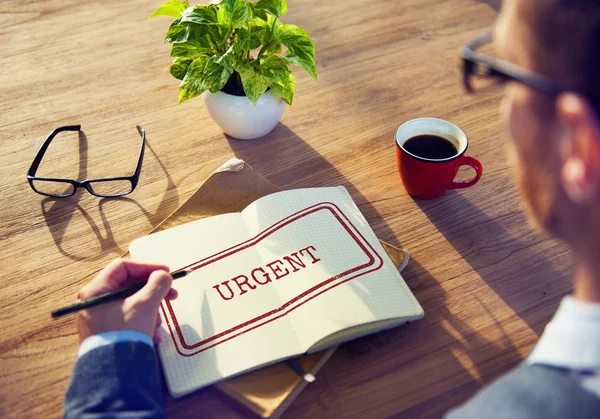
[468,161]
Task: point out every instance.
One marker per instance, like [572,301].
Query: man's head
[556,140]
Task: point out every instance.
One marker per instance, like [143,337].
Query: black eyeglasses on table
[62,188]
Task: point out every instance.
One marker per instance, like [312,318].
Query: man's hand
[136,312]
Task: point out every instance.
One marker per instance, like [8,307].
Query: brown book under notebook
[269,391]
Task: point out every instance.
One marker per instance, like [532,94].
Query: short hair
[567,34]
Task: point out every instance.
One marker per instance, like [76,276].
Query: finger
[155,290]
[118,274]
[172,294]
[124,270]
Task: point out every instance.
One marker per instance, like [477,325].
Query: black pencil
[109,296]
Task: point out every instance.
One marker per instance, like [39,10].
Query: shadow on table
[286,160]
[414,360]
[59,212]
[499,258]
[165,206]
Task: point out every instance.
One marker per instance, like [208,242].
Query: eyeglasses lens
[54,188]
[111,187]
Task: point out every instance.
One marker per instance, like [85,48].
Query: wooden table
[487,281]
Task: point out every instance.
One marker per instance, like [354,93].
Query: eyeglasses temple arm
[40,154]
[138,168]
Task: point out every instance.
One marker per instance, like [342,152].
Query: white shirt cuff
[109,338]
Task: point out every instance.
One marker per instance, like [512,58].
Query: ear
[580,174]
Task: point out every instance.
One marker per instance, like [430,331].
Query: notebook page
[203,334]
[347,278]
[354,332]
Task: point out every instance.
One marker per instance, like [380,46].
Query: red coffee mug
[430,178]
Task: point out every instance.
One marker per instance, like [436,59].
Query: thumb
[155,290]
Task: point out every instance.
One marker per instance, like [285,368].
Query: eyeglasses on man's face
[63,188]
[481,70]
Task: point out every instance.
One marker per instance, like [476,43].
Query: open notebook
[294,272]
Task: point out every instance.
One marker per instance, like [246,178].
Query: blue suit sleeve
[531,392]
[119,380]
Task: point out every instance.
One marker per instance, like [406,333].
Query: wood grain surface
[487,281]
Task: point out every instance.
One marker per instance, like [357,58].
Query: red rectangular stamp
[289,264]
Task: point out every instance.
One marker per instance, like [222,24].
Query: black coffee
[430,147]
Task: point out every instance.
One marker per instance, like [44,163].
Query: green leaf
[253,82]
[183,31]
[259,31]
[274,47]
[179,67]
[272,63]
[219,34]
[215,75]
[201,15]
[247,40]
[257,12]
[282,81]
[233,13]
[274,23]
[275,7]
[171,8]
[275,68]
[304,64]
[193,83]
[234,57]
[285,90]
[192,48]
[177,32]
[230,58]
[301,50]
[264,27]
[266,32]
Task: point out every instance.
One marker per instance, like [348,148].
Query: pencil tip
[181,273]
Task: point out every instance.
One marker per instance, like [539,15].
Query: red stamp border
[284,309]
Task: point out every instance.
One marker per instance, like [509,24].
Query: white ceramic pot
[240,119]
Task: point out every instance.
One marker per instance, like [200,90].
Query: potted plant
[231,52]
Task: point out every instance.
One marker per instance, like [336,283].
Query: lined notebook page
[356,282]
[355,332]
